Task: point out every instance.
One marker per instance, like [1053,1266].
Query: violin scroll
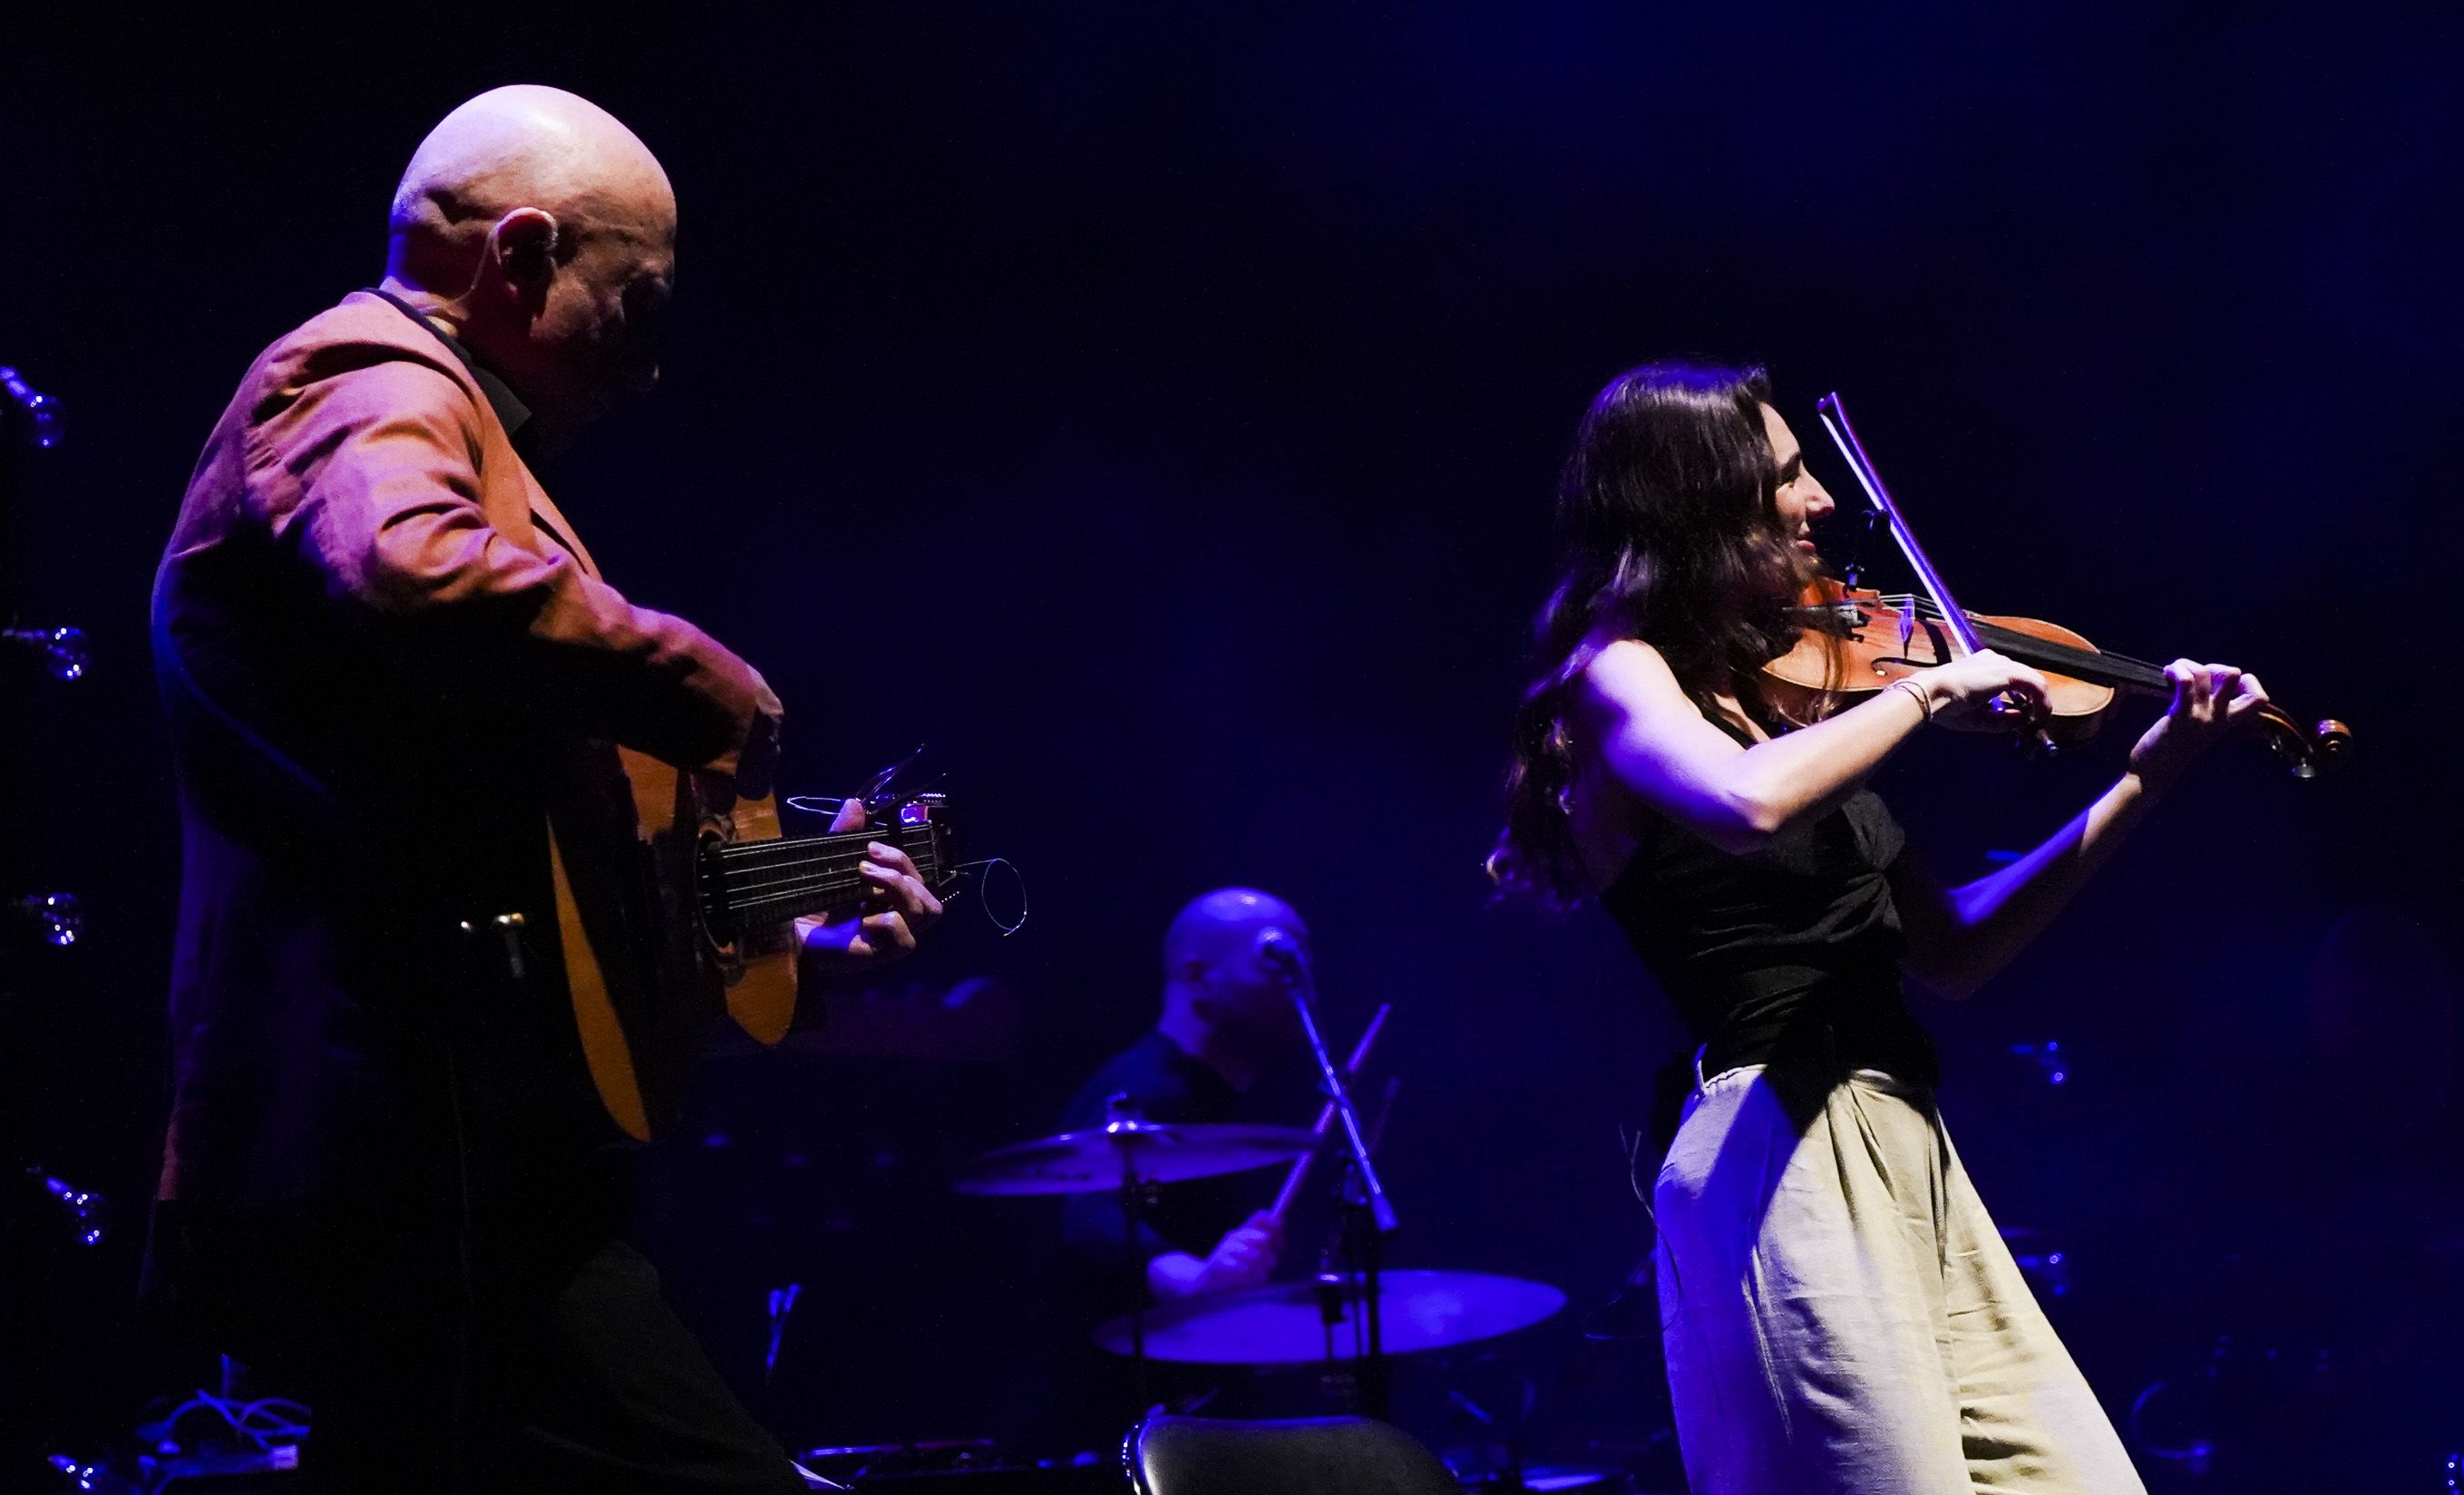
[2306,751]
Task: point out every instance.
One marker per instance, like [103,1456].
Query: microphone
[1278,948]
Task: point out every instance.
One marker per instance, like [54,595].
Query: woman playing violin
[1839,1312]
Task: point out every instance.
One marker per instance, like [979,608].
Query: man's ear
[523,244]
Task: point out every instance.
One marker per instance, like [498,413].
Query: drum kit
[1348,1317]
[1321,1319]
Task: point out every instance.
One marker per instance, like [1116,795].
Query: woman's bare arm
[1655,743]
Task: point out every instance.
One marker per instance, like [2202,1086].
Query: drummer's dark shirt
[1073,1397]
[1169,1085]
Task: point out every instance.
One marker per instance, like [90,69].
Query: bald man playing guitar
[398,689]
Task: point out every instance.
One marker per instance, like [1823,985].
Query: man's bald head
[1221,929]
[543,231]
[528,146]
[1222,999]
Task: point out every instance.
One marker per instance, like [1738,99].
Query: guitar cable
[983,868]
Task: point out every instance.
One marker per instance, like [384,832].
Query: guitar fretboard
[749,885]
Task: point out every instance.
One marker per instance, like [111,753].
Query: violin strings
[2052,650]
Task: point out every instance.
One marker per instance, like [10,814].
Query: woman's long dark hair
[1668,533]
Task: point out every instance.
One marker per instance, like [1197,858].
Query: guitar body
[693,912]
[645,994]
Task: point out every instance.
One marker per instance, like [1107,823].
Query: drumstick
[1299,1174]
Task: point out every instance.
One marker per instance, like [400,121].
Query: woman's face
[1800,497]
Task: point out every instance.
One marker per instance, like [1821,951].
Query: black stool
[1311,1456]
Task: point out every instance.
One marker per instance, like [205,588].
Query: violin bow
[1953,618]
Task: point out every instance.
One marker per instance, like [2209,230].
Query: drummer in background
[1226,1034]
[1226,1049]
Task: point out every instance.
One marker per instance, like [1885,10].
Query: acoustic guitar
[699,915]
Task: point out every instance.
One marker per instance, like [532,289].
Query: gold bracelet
[1923,700]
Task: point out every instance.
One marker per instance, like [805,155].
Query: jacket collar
[501,399]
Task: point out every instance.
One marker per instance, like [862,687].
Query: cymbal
[1159,1152]
[1281,1325]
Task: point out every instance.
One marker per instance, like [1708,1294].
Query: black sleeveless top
[1787,952]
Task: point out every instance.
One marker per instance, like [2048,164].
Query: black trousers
[483,1337]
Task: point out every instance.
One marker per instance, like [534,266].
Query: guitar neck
[750,884]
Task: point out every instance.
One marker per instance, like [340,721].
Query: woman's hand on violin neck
[1965,690]
[2209,701]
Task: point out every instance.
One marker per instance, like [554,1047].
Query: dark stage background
[1155,409]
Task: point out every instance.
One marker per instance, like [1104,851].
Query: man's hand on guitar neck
[885,927]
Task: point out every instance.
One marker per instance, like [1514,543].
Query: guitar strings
[803,847]
[818,867]
[752,862]
[771,874]
[784,878]
[809,854]
[833,882]
[819,894]
[797,905]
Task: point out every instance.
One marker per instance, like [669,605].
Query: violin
[1856,642]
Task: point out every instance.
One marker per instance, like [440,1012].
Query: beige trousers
[1841,1315]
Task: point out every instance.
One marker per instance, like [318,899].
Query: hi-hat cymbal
[1156,1152]
[1284,1323]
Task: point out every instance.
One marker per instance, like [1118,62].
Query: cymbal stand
[1137,1195]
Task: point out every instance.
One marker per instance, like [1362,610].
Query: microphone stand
[1372,1213]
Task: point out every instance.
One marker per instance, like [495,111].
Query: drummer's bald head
[1223,1000]
[543,231]
[1218,931]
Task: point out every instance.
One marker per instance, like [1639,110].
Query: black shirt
[1169,1085]
[1075,1397]
[1789,949]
